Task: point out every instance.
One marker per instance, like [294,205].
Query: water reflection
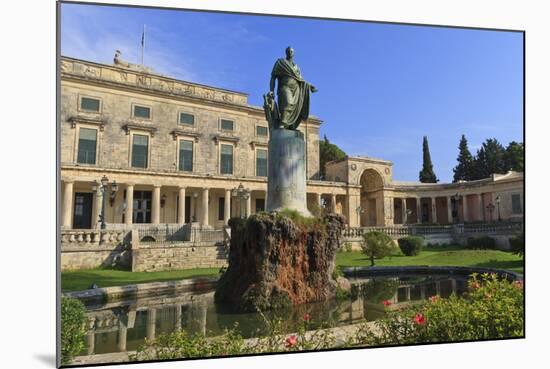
[123,326]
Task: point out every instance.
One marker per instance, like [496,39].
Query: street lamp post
[491,208]
[408,212]
[497,200]
[456,197]
[360,211]
[103,188]
[241,194]
[195,197]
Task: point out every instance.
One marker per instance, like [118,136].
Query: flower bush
[73,328]
[492,308]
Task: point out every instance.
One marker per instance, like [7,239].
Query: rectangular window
[516,203]
[261,131]
[142,112]
[260,205]
[226,124]
[226,159]
[188,119]
[221,208]
[87,140]
[87,103]
[140,151]
[261,163]
[186,156]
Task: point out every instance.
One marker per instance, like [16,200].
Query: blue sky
[381,86]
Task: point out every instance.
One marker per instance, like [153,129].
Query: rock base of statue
[275,262]
[286,180]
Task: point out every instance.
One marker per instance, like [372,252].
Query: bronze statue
[292,105]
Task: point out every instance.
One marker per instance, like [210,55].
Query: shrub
[411,245]
[481,243]
[377,245]
[347,247]
[491,309]
[73,328]
[517,244]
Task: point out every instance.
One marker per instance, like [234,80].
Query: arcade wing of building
[177,149]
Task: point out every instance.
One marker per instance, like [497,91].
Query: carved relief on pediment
[66,66]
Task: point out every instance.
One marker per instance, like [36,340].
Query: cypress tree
[427,174]
[464,170]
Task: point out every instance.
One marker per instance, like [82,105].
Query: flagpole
[142,43]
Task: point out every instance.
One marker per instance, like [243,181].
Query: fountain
[285,256]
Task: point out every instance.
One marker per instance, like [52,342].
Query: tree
[490,159]
[464,170]
[514,156]
[328,152]
[377,245]
[427,174]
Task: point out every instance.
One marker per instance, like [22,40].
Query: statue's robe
[293,93]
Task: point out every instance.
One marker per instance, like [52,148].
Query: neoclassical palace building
[177,151]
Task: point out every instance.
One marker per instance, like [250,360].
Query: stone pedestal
[286,184]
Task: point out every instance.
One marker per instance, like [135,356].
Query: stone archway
[372,198]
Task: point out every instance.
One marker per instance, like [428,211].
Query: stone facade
[227,137]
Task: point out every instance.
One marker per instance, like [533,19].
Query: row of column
[433,202]
[68,205]
[155,206]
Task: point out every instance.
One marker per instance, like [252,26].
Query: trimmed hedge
[73,328]
[517,244]
[481,243]
[411,245]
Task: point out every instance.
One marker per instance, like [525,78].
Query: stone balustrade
[89,237]
[455,229]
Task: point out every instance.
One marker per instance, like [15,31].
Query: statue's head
[289,51]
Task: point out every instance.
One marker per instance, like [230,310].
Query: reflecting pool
[123,325]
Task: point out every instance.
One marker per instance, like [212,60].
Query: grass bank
[82,279]
[436,256]
[439,256]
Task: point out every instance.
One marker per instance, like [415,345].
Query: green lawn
[439,256]
[83,279]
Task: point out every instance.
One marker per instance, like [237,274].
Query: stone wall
[89,249]
[83,249]
[156,256]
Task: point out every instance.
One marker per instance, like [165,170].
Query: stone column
[481,207]
[419,210]
[129,213]
[333,203]
[408,293]
[155,206]
[423,292]
[249,205]
[434,210]
[204,213]
[465,208]
[227,207]
[151,323]
[318,199]
[404,210]
[181,206]
[449,210]
[177,326]
[122,337]
[67,210]
[91,343]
